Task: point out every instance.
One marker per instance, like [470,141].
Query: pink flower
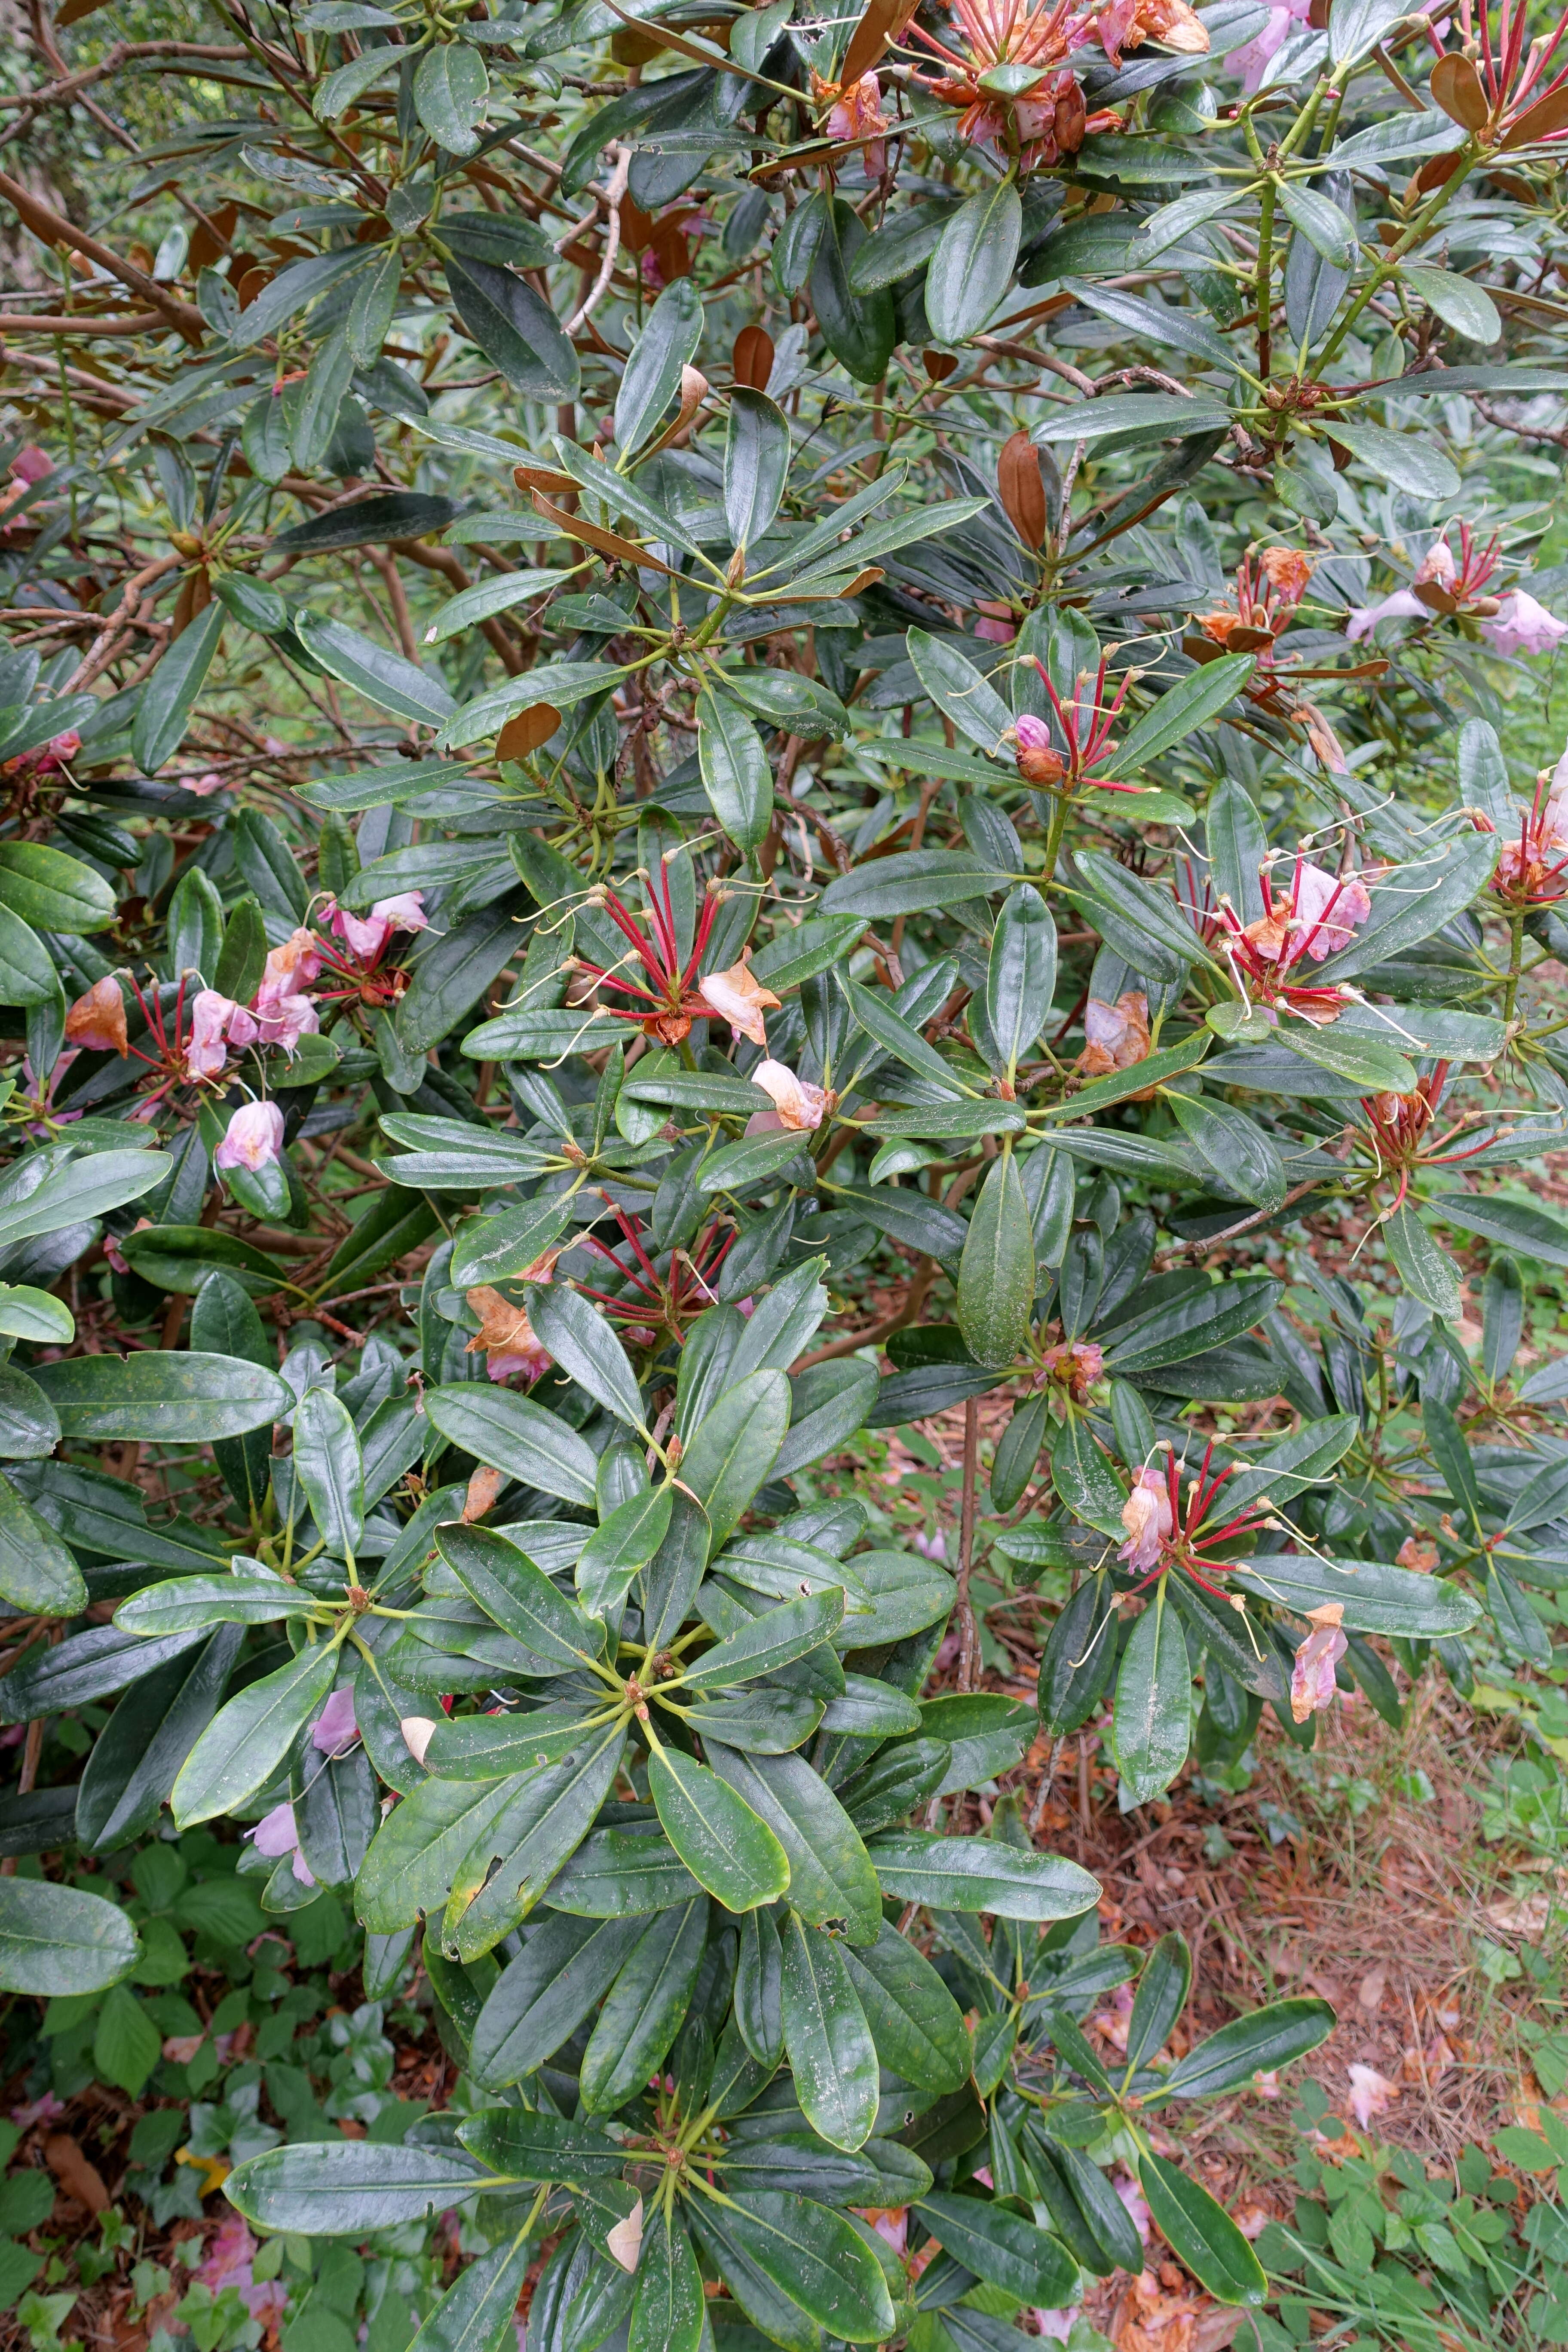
[893,2229]
[335,1730]
[254,1138]
[1523,626]
[857,113]
[277,1833]
[280,1021]
[39,2111]
[206,1051]
[1131,2196]
[202,787]
[1039,761]
[1146,1515]
[1312,1678]
[1402,605]
[365,936]
[1056,2326]
[1253,61]
[930,1547]
[995,630]
[796,1103]
[30,465]
[230,2255]
[1328,906]
[1370,2094]
[290,968]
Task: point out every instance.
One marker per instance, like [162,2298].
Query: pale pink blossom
[1437,566]
[366,936]
[1146,1515]
[893,2229]
[1253,60]
[1056,2326]
[1131,2196]
[278,1020]
[229,2261]
[1312,1682]
[290,968]
[206,1050]
[30,464]
[37,2111]
[277,1833]
[1402,605]
[1327,908]
[1522,626]
[335,1730]
[202,787]
[796,1102]
[933,1547]
[740,1001]
[254,1138]
[1370,2094]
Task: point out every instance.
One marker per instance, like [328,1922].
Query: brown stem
[53,229]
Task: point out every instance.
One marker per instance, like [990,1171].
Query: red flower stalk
[1165,1532]
[1046,119]
[1316,920]
[1397,1130]
[673,999]
[659,1305]
[1267,592]
[1532,871]
[1084,723]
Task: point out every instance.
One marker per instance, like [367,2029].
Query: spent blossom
[96,1021]
[1312,1682]
[796,1102]
[367,935]
[1315,919]
[740,1001]
[1115,1037]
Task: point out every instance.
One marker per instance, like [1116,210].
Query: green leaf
[1377,1598]
[771,1641]
[915,2022]
[243,1746]
[651,377]
[188,1398]
[517,331]
[1148,412]
[478,2312]
[972,265]
[512,1435]
[1241,1155]
[26,976]
[960,692]
[860,330]
[721,1840]
[830,1872]
[816,2257]
[495,1249]
[1425,1270]
[518,1596]
[669,2313]
[189,1604]
[585,1344]
[896,1035]
[127,2044]
[1153,1726]
[1201,2233]
[544,1819]
[384,678]
[831,2052]
[339,90]
[342,2189]
[1268,2038]
[450,89]
[1367,1062]
[996,1272]
[384,515]
[528,2146]
[968,1874]
[732,1450]
[622,1544]
[645,2009]
[735,768]
[36,1571]
[1404,461]
[328,1465]
[1518,1225]
[1002,2248]
[540,1999]
[1327,230]
[1021,975]
[55,1941]
[756,463]
[169,695]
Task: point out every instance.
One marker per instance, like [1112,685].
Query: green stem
[1515,959]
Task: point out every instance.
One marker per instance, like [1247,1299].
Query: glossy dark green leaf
[996,1272]
[969,1873]
[860,330]
[540,1999]
[1268,2038]
[817,2259]
[969,271]
[645,2009]
[831,2053]
[1001,2248]
[519,1596]
[732,1450]
[1201,2233]
[55,1940]
[512,1435]
[170,695]
[340,2189]
[516,331]
[759,1988]
[915,2022]
[522,1846]
[190,1397]
[727,1847]
[244,1745]
[585,1344]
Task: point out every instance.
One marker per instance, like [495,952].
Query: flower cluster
[1445,587]
[1269,587]
[1316,920]
[1084,722]
[1532,865]
[1046,118]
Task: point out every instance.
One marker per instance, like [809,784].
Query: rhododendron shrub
[671,672]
